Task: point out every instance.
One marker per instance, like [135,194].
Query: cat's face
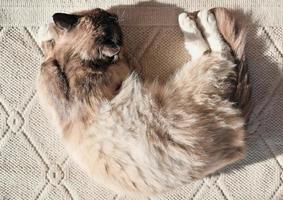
[93,35]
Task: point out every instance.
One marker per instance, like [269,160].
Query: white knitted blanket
[33,162]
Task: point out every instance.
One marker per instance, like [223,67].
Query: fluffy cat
[146,138]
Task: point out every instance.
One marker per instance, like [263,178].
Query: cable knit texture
[33,162]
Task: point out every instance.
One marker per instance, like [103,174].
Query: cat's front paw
[47,32]
[46,37]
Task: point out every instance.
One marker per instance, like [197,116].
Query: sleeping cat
[145,138]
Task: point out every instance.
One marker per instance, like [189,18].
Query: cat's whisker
[121,19]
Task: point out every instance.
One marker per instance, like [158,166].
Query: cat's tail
[233,27]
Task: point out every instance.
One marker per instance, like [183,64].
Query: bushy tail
[233,28]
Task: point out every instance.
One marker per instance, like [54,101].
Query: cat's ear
[110,50]
[66,21]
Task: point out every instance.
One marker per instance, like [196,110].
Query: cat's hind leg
[194,41]
[207,22]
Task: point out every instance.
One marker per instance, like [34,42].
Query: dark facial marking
[66,21]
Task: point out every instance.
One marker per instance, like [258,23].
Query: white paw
[194,42]
[186,24]
[208,24]
[46,32]
[207,21]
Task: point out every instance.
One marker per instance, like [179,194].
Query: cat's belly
[137,151]
[124,161]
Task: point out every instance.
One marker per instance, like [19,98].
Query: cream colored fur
[151,138]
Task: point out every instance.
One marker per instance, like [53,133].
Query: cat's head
[93,35]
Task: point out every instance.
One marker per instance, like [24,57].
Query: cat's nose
[116,50]
[110,50]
